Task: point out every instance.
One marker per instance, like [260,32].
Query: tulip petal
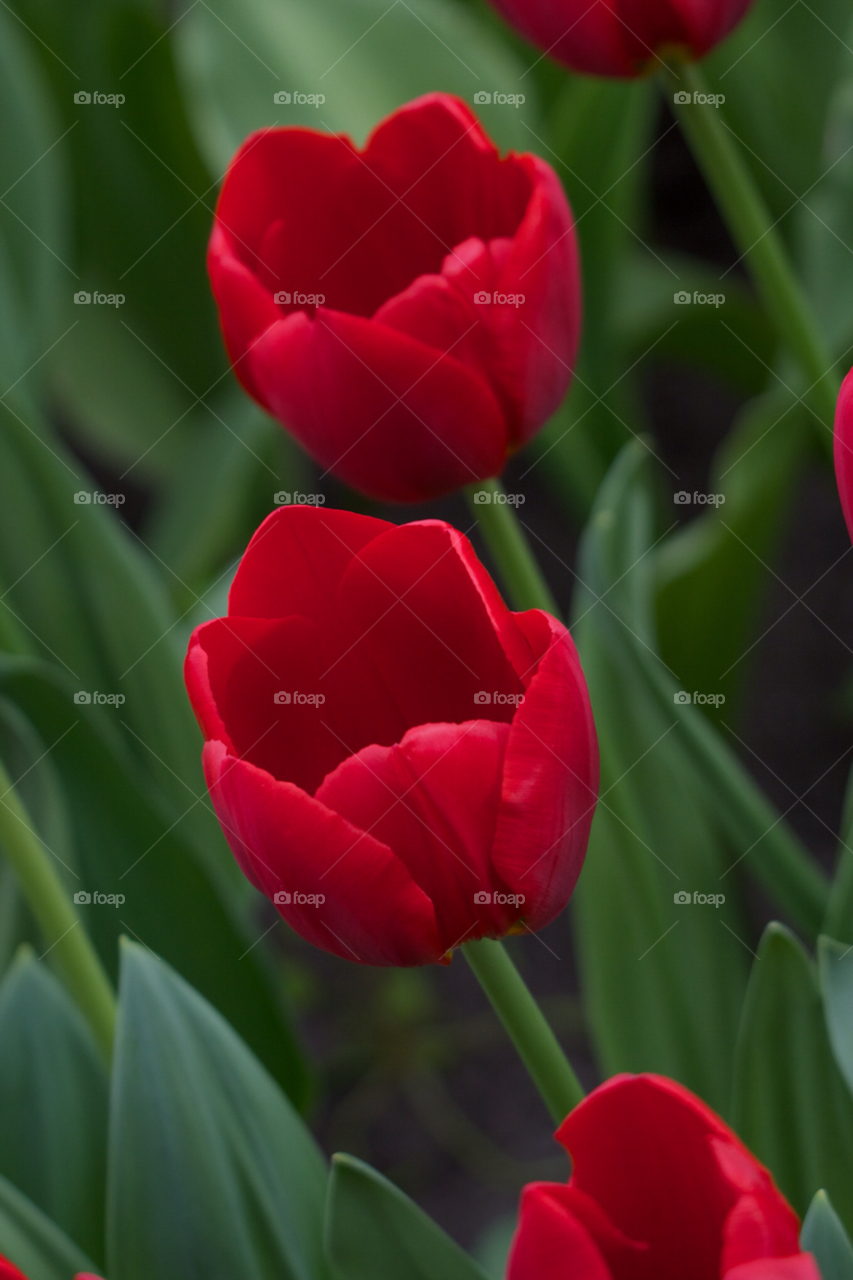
[283,839]
[431,622]
[246,308]
[801,1266]
[843,449]
[550,1243]
[433,799]
[386,413]
[550,782]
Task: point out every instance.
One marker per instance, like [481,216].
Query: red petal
[550,1243]
[423,611]
[844,449]
[286,840]
[246,308]
[550,776]
[388,414]
[433,799]
[801,1266]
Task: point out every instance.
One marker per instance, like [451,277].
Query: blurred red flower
[661,1189]
[397,761]
[411,311]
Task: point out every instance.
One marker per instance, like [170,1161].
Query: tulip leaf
[790,1104]
[823,1235]
[122,846]
[53,1104]
[375,1232]
[836,980]
[211,1171]
[37,1246]
[364,57]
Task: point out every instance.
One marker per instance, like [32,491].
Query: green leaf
[836,980]
[364,57]
[823,1235]
[35,1244]
[53,1104]
[211,1171]
[790,1104]
[375,1232]
[124,846]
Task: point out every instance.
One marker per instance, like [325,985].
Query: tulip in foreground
[398,761]
[844,449]
[411,311]
[661,1189]
[622,37]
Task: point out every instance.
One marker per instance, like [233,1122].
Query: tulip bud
[410,312]
[622,37]
[397,761]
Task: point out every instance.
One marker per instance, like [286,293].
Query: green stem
[526,1026]
[752,229]
[67,940]
[508,544]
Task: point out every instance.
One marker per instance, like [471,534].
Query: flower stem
[755,235]
[508,543]
[526,1026]
[76,959]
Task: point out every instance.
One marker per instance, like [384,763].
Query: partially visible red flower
[844,449]
[622,37]
[411,311]
[397,761]
[661,1189]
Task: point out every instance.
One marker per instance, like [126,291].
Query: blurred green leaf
[836,980]
[823,1235]
[35,1244]
[123,846]
[723,554]
[375,1232]
[365,57]
[789,1103]
[663,981]
[53,1104]
[212,1173]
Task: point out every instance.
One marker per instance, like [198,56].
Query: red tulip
[661,1189]
[622,37]
[844,449]
[8,1271]
[397,761]
[351,289]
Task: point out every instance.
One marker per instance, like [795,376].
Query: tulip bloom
[622,37]
[661,1189]
[411,311]
[397,761]
[844,449]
